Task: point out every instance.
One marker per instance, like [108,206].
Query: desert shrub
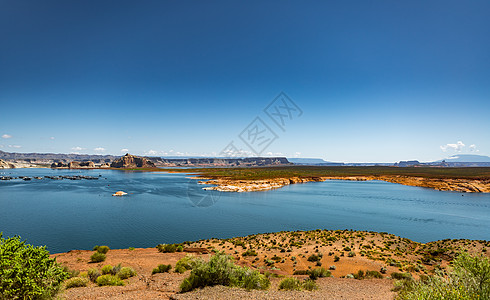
[131,248]
[107,269]
[220,270]
[309,285]
[167,248]
[290,284]
[97,257]
[70,273]
[351,254]
[249,252]
[184,264]
[373,274]
[468,279]
[102,249]
[314,257]
[301,272]
[93,274]
[336,258]
[318,273]
[161,269]
[27,272]
[401,276]
[76,282]
[359,274]
[116,269]
[109,280]
[125,273]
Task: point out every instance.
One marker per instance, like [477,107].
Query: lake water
[168,208]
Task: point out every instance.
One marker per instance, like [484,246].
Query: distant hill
[467,158]
[313,162]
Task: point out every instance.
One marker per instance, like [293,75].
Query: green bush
[469,279]
[249,252]
[309,285]
[318,273]
[314,258]
[109,280]
[161,269]
[76,282]
[126,272]
[351,254]
[71,273]
[93,274]
[184,264]
[290,284]
[97,257]
[220,270]
[401,276]
[373,274]
[27,272]
[180,248]
[102,249]
[336,258]
[107,269]
[167,248]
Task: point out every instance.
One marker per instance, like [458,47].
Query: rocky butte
[131,161]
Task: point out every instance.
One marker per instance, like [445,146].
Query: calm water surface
[169,208]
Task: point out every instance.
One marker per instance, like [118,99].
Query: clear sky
[375,80]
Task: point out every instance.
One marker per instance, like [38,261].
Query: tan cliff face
[6,165]
[458,185]
[131,161]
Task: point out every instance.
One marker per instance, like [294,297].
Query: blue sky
[375,80]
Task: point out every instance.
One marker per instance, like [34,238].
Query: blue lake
[168,208]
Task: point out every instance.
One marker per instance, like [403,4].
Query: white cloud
[297,154]
[15,146]
[6,136]
[124,150]
[151,152]
[77,148]
[51,138]
[456,147]
[473,148]
[99,149]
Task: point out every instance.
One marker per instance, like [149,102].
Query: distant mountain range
[458,160]
[466,158]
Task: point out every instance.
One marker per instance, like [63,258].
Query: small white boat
[119,193]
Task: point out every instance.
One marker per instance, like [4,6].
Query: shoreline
[455,185]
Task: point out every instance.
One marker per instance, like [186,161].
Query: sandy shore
[457,185]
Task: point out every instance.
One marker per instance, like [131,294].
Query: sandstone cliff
[131,161]
[6,165]
[74,165]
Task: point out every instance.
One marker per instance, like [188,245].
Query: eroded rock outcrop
[132,161]
[73,165]
[6,165]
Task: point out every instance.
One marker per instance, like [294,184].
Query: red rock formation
[131,161]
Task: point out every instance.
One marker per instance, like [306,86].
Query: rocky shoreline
[457,185]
